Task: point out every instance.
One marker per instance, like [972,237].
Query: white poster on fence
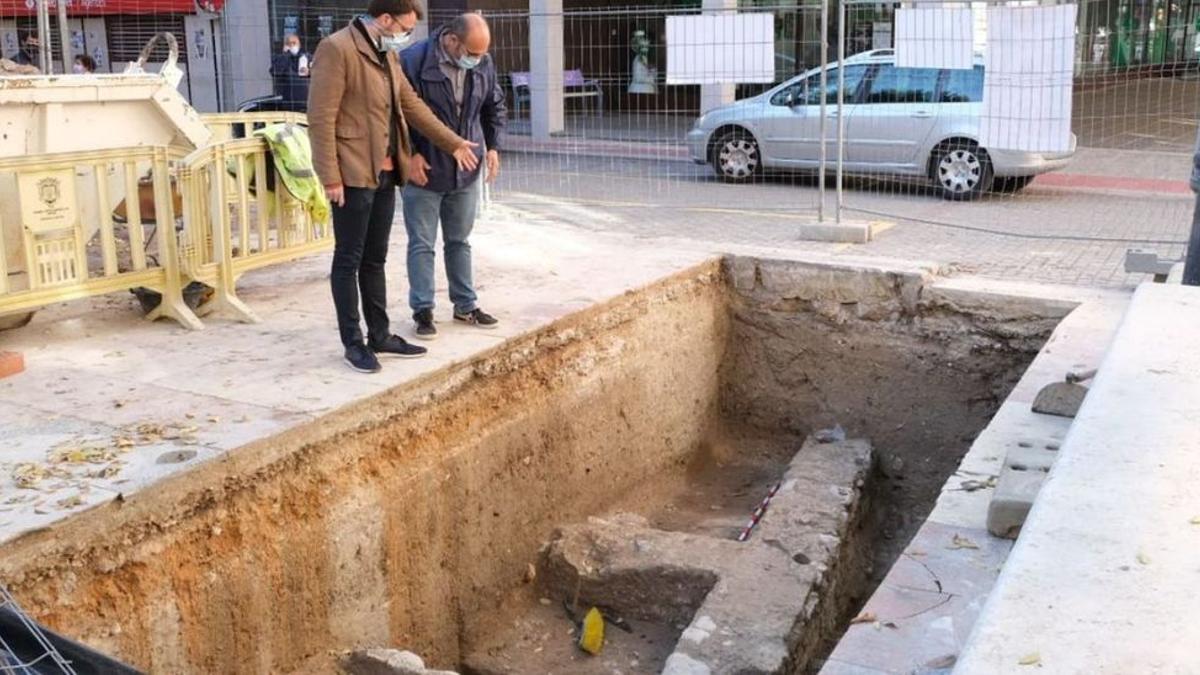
[1029,76]
[935,38]
[720,48]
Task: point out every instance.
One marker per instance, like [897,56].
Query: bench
[574,86]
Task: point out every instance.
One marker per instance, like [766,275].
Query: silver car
[920,122]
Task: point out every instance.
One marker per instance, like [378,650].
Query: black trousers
[361,230]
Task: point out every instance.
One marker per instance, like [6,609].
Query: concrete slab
[845,232]
[934,593]
[1102,578]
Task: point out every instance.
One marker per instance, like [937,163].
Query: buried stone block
[748,607]
[386,662]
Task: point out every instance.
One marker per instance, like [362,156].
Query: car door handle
[922,114]
[832,113]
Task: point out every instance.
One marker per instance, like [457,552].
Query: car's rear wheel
[1011,184]
[736,157]
[962,171]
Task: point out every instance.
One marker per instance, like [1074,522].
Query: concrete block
[834,283]
[1028,457]
[845,232]
[1014,497]
[11,363]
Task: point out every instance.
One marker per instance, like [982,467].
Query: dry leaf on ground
[960,541]
[865,617]
[1033,659]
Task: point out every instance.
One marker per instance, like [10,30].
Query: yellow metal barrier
[61,200]
[83,219]
[222,124]
[236,221]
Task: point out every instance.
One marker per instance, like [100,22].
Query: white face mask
[78,69]
[395,42]
[293,49]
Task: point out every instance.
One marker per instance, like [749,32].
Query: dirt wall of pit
[399,520]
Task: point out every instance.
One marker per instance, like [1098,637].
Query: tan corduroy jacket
[348,111]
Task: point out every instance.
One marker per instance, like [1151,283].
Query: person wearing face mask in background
[84,65]
[28,54]
[360,105]
[290,72]
[454,74]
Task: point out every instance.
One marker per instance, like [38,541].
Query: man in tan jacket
[359,108]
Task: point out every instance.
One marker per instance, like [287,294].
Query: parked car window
[963,86]
[903,85]
[789,95]
[854,76]
[808,92]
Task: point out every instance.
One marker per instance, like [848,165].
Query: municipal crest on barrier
[48,191]
[47,200]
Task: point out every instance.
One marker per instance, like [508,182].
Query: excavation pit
[413,518]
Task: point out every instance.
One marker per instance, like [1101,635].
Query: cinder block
[11,363]
[1037,457]
[1014,496]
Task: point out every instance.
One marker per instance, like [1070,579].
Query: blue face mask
[468,62]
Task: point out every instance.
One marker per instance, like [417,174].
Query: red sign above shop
[10,8]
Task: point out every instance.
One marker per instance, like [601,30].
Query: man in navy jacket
[290,72]
[453,73]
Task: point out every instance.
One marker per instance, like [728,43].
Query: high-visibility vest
[293,163]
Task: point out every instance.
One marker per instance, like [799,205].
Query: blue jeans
[422,211]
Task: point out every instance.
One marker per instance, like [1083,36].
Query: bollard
[1191,267]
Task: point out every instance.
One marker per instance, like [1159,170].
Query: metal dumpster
[73,113]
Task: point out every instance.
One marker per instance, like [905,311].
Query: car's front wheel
[736,157]
[962,171]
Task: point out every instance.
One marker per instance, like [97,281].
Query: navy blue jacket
[289,84]
[483,110]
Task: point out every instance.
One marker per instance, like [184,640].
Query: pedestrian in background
[454,74]
[290,72]
[84,65]
[359,107]
[28,52]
